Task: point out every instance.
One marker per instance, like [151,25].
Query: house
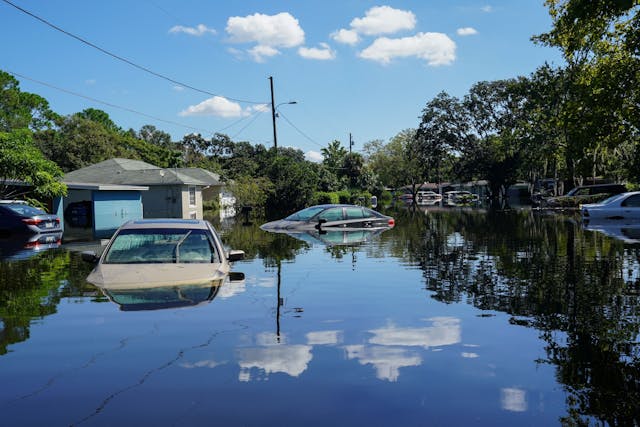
[105,195]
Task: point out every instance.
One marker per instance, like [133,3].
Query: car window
[355,213]
[333,214]
[305,214]
[632,201]
[161,246]
[25,210]
[612,198]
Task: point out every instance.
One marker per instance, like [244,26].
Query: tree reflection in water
[580,289]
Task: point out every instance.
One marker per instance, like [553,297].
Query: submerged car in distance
[620,206]
[583,194]
[19,217]
[161,252]
[331,216]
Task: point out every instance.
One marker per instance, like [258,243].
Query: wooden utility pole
[273,117]
[350,142]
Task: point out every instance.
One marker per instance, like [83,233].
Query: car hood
[131,276]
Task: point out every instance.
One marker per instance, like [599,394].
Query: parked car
[584,194]
[161,252]
[332,216]
[619,206]
[17,216]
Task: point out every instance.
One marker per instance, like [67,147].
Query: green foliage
[324,197]
[21,110]
[293,185]
[20,160]
[253,192]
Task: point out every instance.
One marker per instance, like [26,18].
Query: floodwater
[453,317]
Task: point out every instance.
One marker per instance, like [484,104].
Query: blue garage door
[111,209]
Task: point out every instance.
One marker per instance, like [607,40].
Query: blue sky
[353,66]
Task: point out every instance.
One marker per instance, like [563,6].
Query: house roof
[137,172]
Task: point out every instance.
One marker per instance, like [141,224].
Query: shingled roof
[137,172]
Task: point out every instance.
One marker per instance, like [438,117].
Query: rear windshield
[25,210]
[142,246]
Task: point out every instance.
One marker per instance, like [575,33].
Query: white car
[161,252]
[620,206]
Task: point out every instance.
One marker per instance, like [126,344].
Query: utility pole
[350,142]
[273,117]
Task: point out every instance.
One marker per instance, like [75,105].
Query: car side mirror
[235,255]
[236,276]
[89,256]
[320,222]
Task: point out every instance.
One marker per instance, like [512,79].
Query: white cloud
[466,31]
[216,106]
[90,82]
[384,20]
[513,399]
[435,48]
[324,337]
[197,31]
[445,331]
[343,36]
[260,52]
[386,360]
[289,359]
[178,88]
[468,355]
[487,9]
[281,30]
[324,52]
[314,156]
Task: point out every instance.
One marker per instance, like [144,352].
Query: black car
[19,217]
[332,216]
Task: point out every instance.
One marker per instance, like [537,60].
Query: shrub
[326,197]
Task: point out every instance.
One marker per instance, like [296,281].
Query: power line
[120,58]
[255,117]
[108,103]
[299,131]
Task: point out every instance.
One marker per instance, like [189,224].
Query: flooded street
[453,317]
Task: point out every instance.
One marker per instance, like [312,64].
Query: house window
[192,196]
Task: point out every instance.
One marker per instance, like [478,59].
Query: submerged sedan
[620,206]
[156,253]
[332,216]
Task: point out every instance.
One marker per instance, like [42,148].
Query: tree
[333,155]
[150,134]
[293,185]
[20,110]
[20,160]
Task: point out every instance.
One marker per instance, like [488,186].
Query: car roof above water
[165,223]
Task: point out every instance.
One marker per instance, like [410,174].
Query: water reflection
[23,246]
[627,232]
[516,274]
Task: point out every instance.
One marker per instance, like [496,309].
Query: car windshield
[305,214]
[612,198]
[140,246]
[25,210]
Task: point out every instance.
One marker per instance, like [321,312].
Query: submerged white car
[620,206]
[161,252]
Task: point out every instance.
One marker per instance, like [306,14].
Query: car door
[630,207]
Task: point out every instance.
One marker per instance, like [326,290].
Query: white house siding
[189,211]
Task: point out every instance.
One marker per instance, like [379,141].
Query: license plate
[48,225]
[50,239]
